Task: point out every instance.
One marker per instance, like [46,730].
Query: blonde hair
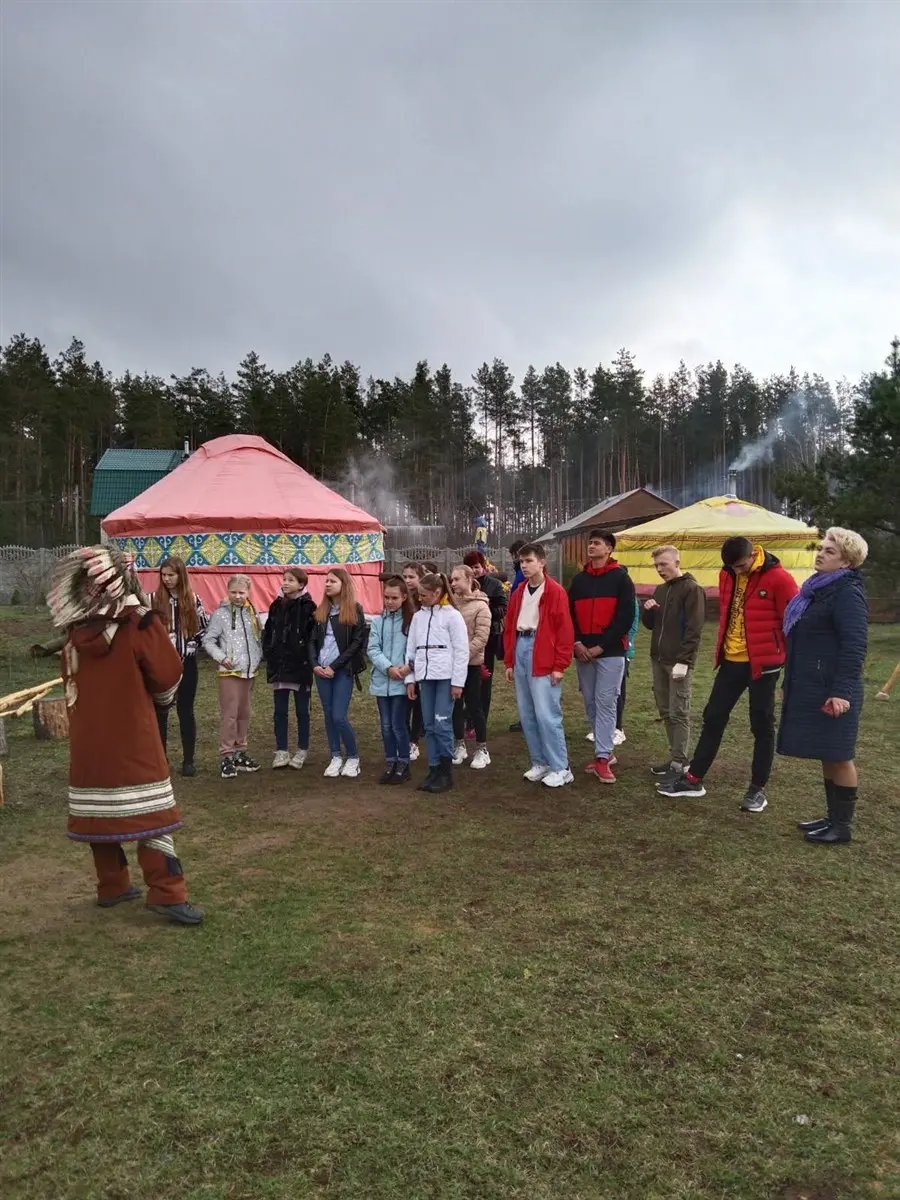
[240,581]
[853,548]
[660,550]
[468,573]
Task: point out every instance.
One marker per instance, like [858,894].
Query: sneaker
[334,767]
[184,914]
[537,773]
[481,759]
[388,773]
[281,759]
[590,736]
[601,768]
[667,768]
[413,751]
[754,800]
[188,770]
[298,759]
[229,770]
[460,754]
[401,773]
[350,769]
[556,779]
[680,786]
[619,737]
[244,762]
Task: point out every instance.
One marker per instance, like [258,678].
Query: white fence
[25,573]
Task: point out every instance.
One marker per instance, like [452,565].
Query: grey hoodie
[231,634]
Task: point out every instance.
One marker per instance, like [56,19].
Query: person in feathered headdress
[118,664]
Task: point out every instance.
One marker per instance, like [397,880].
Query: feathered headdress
[92,583]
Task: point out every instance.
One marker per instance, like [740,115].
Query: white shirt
[528,613]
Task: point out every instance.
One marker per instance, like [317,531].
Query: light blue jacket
[387,648]
[632,632]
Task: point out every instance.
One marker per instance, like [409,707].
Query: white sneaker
[537,772]
[460,754]
[590,736]
[481,759]
[619,737]
[334,767]
[281,759]
[350,769]
[298,760]
[413,751]
[558,778]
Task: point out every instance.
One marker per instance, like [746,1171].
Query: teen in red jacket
[538,644]
[754,590]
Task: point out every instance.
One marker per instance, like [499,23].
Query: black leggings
[470,705]
[490,659]
[414,720]
[184,706]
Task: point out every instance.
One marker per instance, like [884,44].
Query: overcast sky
[182,182]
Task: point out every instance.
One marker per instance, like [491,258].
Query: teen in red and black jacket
[768,590]
[601,600]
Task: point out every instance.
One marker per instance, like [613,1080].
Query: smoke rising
[369,481]
[789,421]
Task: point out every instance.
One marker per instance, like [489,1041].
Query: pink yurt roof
[239,482]
[239,506]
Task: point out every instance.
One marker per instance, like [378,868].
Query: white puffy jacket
[438,645]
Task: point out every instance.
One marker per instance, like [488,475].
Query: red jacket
[768,591]
[554,641]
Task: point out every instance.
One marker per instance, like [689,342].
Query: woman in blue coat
[827,626]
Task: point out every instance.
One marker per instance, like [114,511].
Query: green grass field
[502,992]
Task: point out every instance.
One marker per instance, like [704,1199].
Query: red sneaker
[600,768]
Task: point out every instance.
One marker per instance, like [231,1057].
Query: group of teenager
[433,651]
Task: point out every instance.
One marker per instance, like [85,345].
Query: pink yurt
[239,505]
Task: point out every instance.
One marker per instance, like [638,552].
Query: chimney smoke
[732,484]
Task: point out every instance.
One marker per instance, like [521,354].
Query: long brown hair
[467,573]
[347,609]
[438,583]
[407,608]
[184,595]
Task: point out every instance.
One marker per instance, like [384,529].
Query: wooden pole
[16,698]
[4,747]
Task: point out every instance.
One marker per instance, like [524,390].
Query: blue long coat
[826,650]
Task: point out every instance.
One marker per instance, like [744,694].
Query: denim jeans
[335,696]
[540,711]
[282,700]
[599,682]
[392,712]
[437,716]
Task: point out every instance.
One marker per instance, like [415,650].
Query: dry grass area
[593,994]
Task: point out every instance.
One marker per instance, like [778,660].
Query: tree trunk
[51,719]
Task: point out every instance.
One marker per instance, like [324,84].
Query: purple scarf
[798,605]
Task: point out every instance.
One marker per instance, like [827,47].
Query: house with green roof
[120,475]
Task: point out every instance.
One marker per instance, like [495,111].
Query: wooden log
[2,798]
[51,719]
[14,699]
[27,706]
[4,747]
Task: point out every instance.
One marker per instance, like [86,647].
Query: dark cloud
[182,182]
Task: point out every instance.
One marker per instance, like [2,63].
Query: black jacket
[678,621]
[285,641]
[352,641]
[498,600]
[602,606]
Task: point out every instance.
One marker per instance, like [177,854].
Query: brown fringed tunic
[119,784]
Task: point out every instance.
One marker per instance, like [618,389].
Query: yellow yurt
[698,532]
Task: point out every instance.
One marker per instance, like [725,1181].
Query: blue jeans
[600,682]
[437,717]
[335,696]
[392,712]
[540,711]
[282,699]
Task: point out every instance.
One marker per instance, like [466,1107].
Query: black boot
[822,822]
[428,781]
[444,780]
[401,773]
[844,806]
[389,772]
